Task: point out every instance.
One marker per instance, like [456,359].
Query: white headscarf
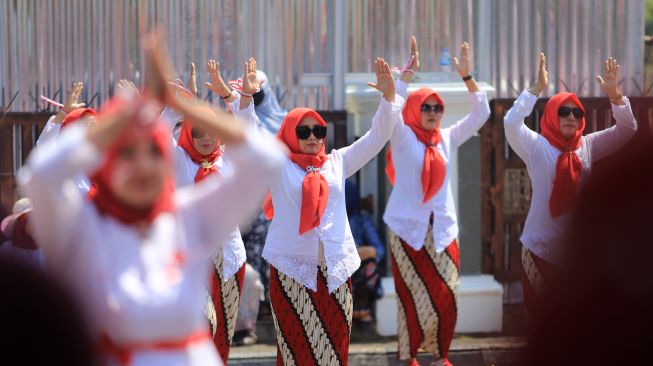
[268,111]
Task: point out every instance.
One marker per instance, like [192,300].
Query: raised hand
[73,97]
[222,124]
[250,83]
[192,82]
[385,82]
[217,85]
[159,70]
[542,77]
[414,54]
[71,102]
[463,65]
[128,87]
[413,65]
[609,82]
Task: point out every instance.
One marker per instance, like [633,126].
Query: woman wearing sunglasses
[310,247]
[421,214]
[200,154]
[558,161]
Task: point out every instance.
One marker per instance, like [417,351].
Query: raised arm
[217,84]
[72,102]
[387,116]
[222,124]
[468,126]
[409,70]
[519,136]
[245,110]
[50,131]
[253,162]
[250,84]
[48,177]
[608,141]
[53,126]
[168,115]
[192,79]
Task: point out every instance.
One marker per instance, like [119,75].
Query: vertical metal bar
[17,133]
[339,55]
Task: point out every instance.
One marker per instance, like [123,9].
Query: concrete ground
[368,348]
[465,351]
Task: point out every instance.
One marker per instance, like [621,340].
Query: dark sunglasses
[197,134]
[304,132]
[566,111]
[426,108]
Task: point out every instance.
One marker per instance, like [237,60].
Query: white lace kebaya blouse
[142,288]
[542,233]
[406,214]
[297,255]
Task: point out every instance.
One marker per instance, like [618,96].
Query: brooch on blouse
[311,168]
[206,164]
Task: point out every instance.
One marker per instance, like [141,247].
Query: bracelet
[409,70]
[467,78]
[242,93]
[228,95]
[616,98]
[533,92]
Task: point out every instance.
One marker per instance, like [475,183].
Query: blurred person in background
[366,281]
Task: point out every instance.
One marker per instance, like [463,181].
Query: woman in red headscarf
[136,251]
[199,155]
[558,162]
[309,245]
[71,112]
[421,214]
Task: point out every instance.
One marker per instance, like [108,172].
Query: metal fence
[45,45]
[19,132]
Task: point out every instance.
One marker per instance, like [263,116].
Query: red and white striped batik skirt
[535,274]
[427,295]
[313,327]
[222,306]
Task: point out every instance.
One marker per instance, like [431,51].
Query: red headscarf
[101,195]
[434,166]
[568,167]
[315,190]
[76,115]
[206,162]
